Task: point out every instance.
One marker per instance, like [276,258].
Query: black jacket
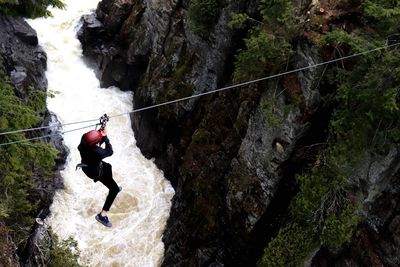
[92,156]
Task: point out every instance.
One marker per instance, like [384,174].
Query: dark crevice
[277,213]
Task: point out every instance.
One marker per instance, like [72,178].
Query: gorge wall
[25,64]
[231,165]
[222,158]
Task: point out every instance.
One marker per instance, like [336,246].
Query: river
[140,211]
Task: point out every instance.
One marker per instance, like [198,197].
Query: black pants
[107,179]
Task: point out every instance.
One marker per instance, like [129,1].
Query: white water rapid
[140,211]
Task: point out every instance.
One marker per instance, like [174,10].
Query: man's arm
[107,151]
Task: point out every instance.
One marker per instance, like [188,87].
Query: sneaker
[103,220]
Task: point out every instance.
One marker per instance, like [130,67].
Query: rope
[193,96]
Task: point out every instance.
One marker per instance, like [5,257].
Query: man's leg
[109,182]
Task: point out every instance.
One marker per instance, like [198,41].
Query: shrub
[267,46]
[268,107]
[64,253]
[338,228]
[20,163]
[381,9]
[276,12]
[203,14]
[28,8]
[263,54]
[292,244]
[383,15]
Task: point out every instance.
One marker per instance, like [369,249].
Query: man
[93,166]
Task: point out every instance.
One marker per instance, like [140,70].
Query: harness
[80,166]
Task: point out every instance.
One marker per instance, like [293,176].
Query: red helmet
[92,137]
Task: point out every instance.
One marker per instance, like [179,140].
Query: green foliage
[369,107]
[338,228]
[238,20]
[268,108]
[203,14]
[277,18]
[11,107]
[268,43]
[322,204]
[3,211]
[273,116]
[36,99]
[276,12]
[384,15]
[28,8]
[20,163]
[351,43]
[264,53]
[313,187]
[64,253]
[381,9]
[292,244]
[337,38]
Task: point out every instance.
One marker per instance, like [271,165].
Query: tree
[29,8]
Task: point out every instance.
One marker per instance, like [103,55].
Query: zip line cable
[189,97]
[46,127]
[256,80]
[46,136]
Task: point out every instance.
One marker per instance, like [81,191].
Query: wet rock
[57,141]
[305,56]
[24,32]
[91,29]
[105,52]
[23,57]
[19,79]
[114,14]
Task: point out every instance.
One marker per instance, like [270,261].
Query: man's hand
[104,131]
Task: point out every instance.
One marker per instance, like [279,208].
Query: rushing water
[140,211]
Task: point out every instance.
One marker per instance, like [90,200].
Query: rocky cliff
[25,62]
[230,159]
[223,159]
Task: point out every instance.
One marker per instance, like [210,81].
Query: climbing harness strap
[80,166]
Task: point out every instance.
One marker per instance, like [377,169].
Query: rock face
[25,62]
[24,59]
[231,156]
[224,158]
